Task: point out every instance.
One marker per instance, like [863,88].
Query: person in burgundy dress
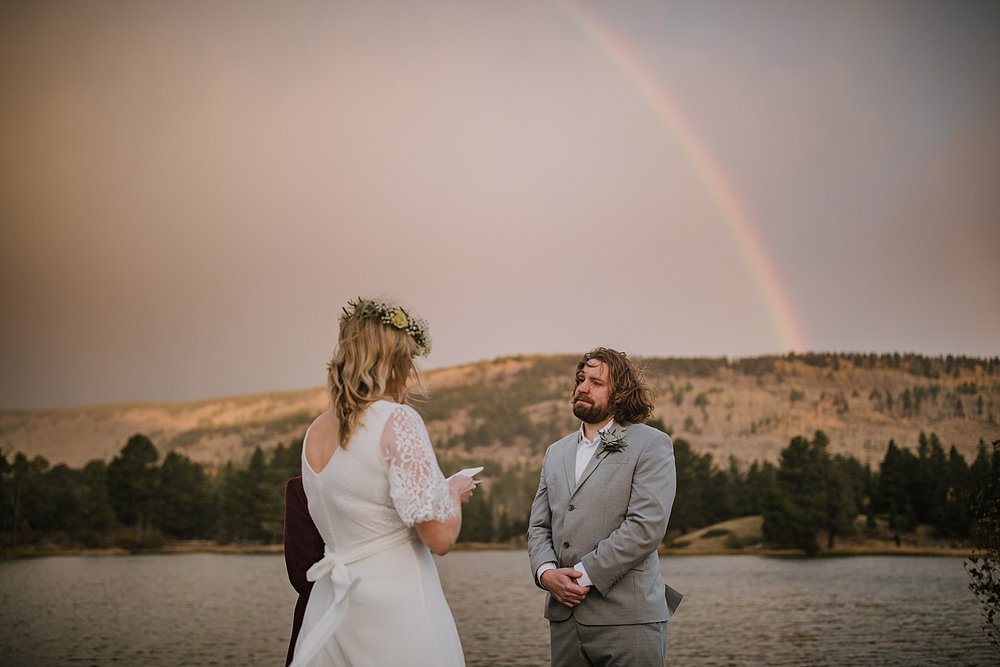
[303,547]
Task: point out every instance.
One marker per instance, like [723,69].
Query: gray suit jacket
[612,521]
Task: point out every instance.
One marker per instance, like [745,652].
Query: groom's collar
[580,437]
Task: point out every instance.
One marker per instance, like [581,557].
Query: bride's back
[349,497]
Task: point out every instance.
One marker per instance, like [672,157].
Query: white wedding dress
[377,599]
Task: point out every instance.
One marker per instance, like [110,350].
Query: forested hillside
[811,442]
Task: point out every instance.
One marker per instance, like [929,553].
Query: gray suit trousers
[577,645]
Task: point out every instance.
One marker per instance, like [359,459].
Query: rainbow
[734,213]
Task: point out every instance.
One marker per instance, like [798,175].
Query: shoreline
[201,546]
[839,552]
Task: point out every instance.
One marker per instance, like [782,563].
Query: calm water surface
[211,609]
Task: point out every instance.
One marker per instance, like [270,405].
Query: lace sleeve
[418,489]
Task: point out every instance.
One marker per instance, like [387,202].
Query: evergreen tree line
[136,500]
[812,493]
[916,365]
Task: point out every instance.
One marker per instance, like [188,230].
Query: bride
[377,495]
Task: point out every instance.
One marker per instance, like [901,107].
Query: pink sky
[190,191]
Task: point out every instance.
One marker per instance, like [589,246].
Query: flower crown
[392,315]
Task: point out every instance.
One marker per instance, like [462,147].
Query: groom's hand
[561,583]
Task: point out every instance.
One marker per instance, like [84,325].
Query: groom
[600,513]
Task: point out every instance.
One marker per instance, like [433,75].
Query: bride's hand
[461,486]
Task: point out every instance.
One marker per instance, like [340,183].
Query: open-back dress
[377,599]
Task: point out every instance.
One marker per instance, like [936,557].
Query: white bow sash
[334,564]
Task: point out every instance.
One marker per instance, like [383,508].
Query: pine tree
[798,506]
[133,481]
[97,514]
[186,505]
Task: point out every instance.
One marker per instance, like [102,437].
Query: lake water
[213,609]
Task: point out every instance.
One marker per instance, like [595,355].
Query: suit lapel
[569,462]
[595,461]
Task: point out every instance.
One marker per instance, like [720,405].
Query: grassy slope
[745,536]
[509,409]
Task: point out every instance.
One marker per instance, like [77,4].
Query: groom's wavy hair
[631,397]
[373,361]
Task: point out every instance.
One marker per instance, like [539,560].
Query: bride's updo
[374,359]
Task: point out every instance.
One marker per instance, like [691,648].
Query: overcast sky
[190,191]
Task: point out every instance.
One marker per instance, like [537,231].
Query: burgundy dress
[303,547]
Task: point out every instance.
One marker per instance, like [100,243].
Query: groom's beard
[589,412]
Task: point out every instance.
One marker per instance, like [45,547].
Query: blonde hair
[373,361]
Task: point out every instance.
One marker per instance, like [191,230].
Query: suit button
[571,508]
[565,545]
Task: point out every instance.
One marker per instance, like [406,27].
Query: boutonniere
[611,442]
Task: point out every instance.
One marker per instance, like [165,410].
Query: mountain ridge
[510,408]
